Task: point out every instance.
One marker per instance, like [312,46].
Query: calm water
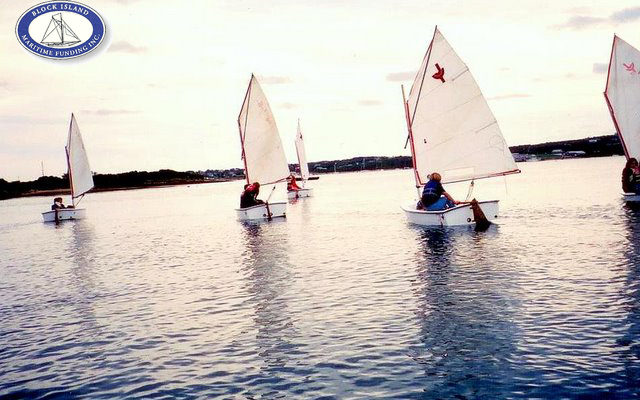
[162,294]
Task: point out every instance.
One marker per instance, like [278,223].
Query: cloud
[578,22]
[626,15]
[104,112]
[288,105]
[25,119]
[274,80]
[600,68]
[401,76]
[369,103]
[509,96]
[126,47]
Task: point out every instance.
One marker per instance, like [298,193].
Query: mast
[247,97]
[299,134]
[69,173]
[61,30]
[410,138]
[410,116]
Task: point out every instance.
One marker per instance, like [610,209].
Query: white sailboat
[262,152]
[452,131]
[304,168]
[622,95]
[80,178]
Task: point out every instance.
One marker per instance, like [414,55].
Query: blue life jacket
[431,192]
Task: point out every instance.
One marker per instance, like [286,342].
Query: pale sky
[165,89]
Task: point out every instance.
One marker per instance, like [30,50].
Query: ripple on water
[342,300]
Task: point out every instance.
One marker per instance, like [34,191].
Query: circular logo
[60,29]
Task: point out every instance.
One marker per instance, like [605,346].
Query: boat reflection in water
[82,273]
[268,276]
[628,348]
[464,313]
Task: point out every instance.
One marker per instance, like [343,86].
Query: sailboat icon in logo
[59,33]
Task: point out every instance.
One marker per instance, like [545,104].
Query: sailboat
[452,131]
[56,31]
[622,95]
[304,168]
[79,173]
[262,152]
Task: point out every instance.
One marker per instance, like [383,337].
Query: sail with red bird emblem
[451,127]
[623,95]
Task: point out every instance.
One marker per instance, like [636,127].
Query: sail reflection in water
[628,346]
[268,275]
[465,315]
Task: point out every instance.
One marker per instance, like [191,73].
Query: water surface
[161,293]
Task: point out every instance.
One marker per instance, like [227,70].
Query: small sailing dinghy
[304,168]
[80,178]
[262,152]
[452,131]
[622,94]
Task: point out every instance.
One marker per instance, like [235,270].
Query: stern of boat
[259,212]
[298,194]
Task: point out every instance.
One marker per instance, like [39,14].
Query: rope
[470,191]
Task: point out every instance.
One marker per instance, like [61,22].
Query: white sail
[262,150]
[623,95]
[302,156]
[453,129]
[79,170]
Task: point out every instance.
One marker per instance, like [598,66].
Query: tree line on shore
[132,179]
[592,147]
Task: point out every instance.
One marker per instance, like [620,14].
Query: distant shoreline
[598,146]
[54,192]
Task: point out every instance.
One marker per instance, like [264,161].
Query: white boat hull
[300,193]
[259,212]
[631,197]
[65,214]
[456,216]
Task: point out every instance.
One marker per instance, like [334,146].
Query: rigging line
[246,115]
[47,32]
[478,177]
[470,191]
[79,198]
[424,73]
[70,30]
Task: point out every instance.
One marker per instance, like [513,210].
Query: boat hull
[456,216]
[631,197]
[297,194]
[65,214]
[259,212]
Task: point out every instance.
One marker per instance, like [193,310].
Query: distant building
[518,157]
